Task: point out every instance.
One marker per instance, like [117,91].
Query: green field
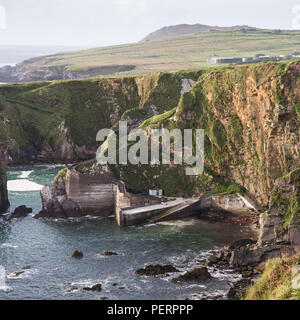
[185,52]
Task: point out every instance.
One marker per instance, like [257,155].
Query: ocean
[47,247]
[13,54]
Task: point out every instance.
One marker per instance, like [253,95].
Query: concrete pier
[154,213]
[101,195]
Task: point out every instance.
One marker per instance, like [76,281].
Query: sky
[96,23]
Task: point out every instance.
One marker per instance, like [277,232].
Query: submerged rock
[155,270]
[96,287]
[77,254]
[197,274]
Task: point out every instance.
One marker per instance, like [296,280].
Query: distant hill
[189,51]
[184,29]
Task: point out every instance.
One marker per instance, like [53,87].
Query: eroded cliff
[251,119]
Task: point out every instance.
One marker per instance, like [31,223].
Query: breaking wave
[23,185]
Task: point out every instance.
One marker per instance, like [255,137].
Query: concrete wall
[91,196]
[234,203]
[126,201]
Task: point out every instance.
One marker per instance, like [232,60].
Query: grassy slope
[180,53]
[36,110]
[276,281]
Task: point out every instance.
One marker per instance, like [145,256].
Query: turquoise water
[47,247]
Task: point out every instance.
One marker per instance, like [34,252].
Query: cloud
[2,18]
[296,19]
[127,9]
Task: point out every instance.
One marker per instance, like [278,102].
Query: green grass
[158,118]
[61,176]
[181,53]
[276,281]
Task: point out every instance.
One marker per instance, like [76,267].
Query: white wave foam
[83,282]
[149,225]
[4,288]
[24,274]
[23,185]
[7,245]
[25,174]
[179,223]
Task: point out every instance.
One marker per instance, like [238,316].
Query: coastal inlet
[45,247]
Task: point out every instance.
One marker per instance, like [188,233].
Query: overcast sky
[93,23]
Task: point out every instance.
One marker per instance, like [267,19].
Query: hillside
[184,29]
[181,53]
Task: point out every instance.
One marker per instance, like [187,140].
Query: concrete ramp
[177,210]
[154,213]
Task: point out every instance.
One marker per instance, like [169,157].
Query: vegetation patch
[276,281]
[61,176]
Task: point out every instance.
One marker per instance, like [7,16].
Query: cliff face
[251,119]
[4,203]
[58,121]
[250,115]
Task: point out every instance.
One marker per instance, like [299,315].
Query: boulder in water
[20,212]
[156,270]
[96,287]
[197,274]
[77,254]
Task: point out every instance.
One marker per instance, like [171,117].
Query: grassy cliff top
[184,52]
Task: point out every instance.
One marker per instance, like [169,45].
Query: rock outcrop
[4,203]
[281,223]
[56,204]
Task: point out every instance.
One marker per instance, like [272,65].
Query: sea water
[47,247]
